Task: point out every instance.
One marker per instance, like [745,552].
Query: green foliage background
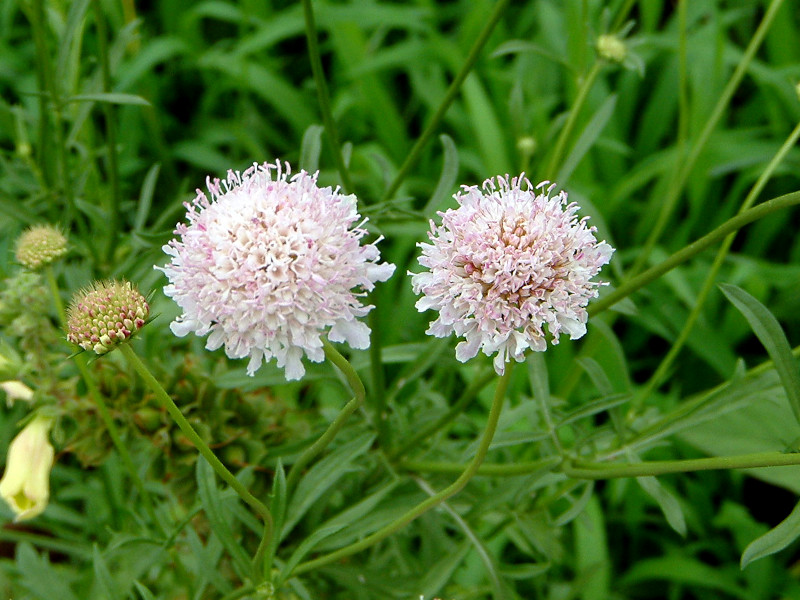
[193,89]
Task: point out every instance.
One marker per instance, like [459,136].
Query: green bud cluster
[39,246]
[106,315]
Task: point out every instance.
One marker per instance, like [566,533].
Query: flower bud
[106,315]
[39,246]
[611,48]
[25,485]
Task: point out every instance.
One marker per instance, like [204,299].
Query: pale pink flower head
[269,264]
[505,264]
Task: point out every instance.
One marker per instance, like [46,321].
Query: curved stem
[578,469]
[323,96]
[684,254]
[435,500]
[192,435]
[452,92]
[686,166]
[580,100]
[105,414]
[360,394]
[663,368]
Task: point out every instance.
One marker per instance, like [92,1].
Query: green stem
[323,96]
[113,200]
[665,365]
[360,394]
[681,256]
[435,500]
[192,435]
[266,550]
[686,166]
[102,407]
[566,132]
[449,97]
[447,418]
[579,469]
[492,470]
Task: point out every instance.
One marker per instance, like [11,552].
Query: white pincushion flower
[506,263]
[270,263]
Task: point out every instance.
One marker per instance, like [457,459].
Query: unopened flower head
[611,48]
[505,264]
[268,264]
[25,485]
[40,245]
[105,315]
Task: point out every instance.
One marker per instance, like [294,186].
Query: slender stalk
[684,254]
[323,96]
[578,469]
[360,394]
[491,470]
[449,97]
[467,396]
[267,547]
[376,369]
[192,435]
[665,365]
[102,407]
[435,500]
[113,199]
[686,166]
[566,131]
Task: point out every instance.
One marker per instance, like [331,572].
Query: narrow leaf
[111,98]
[666,501]
[212,502]
[310,148]
[775,540]
[448,177]
[770,334]
[103,577]
[143,591]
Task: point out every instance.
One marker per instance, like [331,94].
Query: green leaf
[447,180]
[103,577]
[775,540]
[38,577]
[306,547]
[322,476]
[217,514]
[666,501]
[770,334]
[143,591]
[592,562]
[110,97]
[311,147]
[146,196]
[587,138]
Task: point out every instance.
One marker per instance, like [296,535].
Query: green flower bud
[611,48]
[106,315]
[39,246]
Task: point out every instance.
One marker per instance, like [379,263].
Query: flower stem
[113,200]
[580,100]
[360,394]
[663,368]
[579,469]
[684,254]
[192,435]
[323,96]
[449,97]
[435,500]
[105,414]
[686,166]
